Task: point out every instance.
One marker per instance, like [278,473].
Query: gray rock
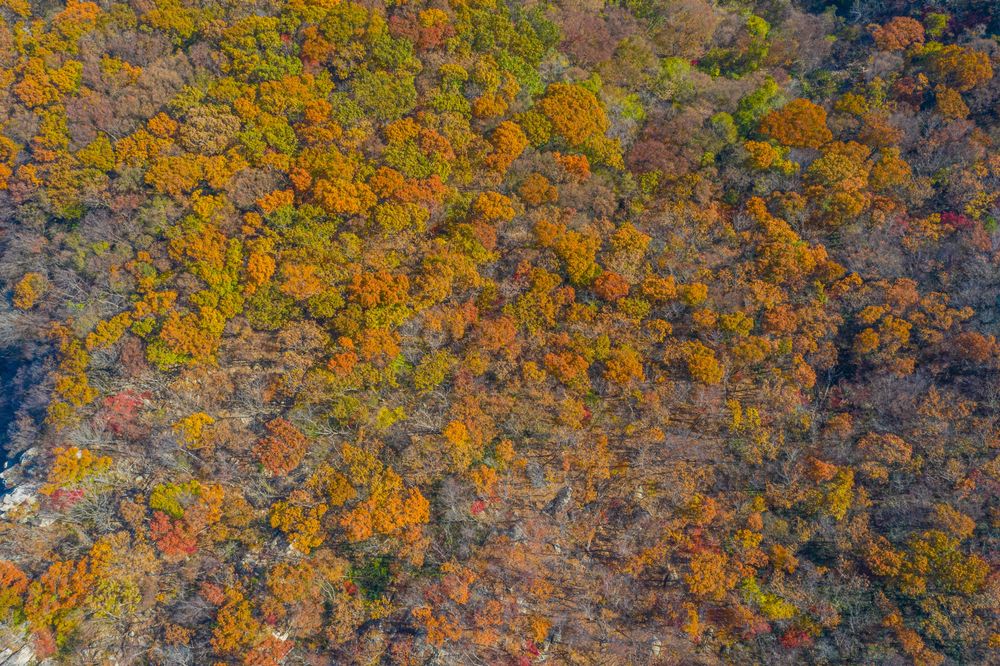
[560,502]
[536,474]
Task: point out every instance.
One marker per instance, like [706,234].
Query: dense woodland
[500,332]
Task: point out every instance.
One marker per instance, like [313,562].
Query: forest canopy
[499,332]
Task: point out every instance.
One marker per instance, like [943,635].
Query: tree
[960,67]
[29,289]
[710,576]
[72,466]
[684,28]
[702,364]
[13,585]
[624,367]
[800,124]
[611,286]
[838,181]
[899,33]
[173,537]
[299,519]
[383,95]
[192,429]
[283,448]
[950,103]
[536,190]
[578,250]
[508,141]
[574,112]
[236,630]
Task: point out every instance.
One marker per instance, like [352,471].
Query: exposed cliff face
[19,651]
[21,409]
[9,397]
[18,494]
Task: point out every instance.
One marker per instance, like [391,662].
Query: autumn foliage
[800,123]
[499,332]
